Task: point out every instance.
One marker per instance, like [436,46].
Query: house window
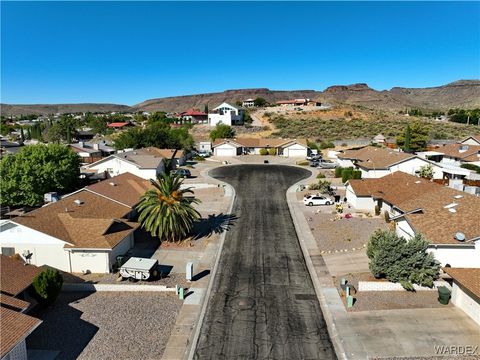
[8,251]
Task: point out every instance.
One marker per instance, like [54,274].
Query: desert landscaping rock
[107,325]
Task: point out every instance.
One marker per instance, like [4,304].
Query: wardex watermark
[456,349]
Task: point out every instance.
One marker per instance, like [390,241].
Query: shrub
[321,176]
[347,174]
[338,172]
[387,216]
[47,286]
[199,158]
[356,174]
[263,152]
[303,163]
[272,151]
[398,260]
[323,186]
[327,145]
[426,171]
[475,168]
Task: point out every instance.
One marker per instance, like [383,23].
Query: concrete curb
[328,316]
[82,287]
[198,327]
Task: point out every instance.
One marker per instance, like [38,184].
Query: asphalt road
[263,304]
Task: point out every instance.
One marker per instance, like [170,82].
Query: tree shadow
[213,224]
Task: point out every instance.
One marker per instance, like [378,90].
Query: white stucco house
[245,146]
[471,140]
[83,232]
[376,162]
[466,290]
[146,163]
[448,219]
[226,114]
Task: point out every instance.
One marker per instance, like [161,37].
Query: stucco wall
[118,166]
[464,300]
[90,260]
[295,150]
[458,256]
[359,203]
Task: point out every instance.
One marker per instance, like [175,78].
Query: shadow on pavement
[214,224]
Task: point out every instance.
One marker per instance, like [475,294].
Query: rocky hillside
[44,109]
[461,94]
[180,103]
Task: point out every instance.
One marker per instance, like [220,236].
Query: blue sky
[124,52]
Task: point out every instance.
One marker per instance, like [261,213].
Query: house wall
[465,300]
[225,150]
[19,352]
[373,174]
[122,248]
[95,261]
[412,166]
[46,249]
[364,203]
[345,163]
[214,119]
[457,256]
[116,166]
[403,228]
[295,150]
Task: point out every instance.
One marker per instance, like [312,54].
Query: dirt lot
[386,300]
[106,325]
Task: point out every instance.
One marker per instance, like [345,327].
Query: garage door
[225,152]
[297,153]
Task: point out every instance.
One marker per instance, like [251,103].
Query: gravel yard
[107,325]
[386,300]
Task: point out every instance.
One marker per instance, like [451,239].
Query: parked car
[327,164]
[312,200]
[203,154]
[314,157]
[185,173]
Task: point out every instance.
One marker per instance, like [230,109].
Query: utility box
[189,271]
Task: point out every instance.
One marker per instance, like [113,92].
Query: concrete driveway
[263,304]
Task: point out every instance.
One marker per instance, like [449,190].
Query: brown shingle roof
[13,303]
[15,276]
[95,223]
[371,157]
[394,188]
[469,152]
[125,188]
[14,327]
[257,142]
[435,222]
[167,153]
[469,278]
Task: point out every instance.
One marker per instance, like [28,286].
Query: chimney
[96,147]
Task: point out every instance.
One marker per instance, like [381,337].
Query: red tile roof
[117,124]
[193,112]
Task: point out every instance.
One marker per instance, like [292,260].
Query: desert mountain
[459,94]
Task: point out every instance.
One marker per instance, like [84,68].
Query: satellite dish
[460,236]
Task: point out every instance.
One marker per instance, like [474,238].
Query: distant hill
[459,94]
[44,109]
[180,103]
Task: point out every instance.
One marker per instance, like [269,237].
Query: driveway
[263,304]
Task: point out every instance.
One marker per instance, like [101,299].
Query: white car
[312,200]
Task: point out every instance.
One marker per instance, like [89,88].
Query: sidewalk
[376,334]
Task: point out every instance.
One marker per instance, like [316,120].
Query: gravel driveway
[107,325]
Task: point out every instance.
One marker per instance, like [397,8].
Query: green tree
[263,152]
[259,102]
[414,138]
[205,109]
[398,260]
[426,171]
[165,211]
[222,131]
[36,170]
[47,286]
[98,124]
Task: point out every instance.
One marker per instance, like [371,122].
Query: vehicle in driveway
[185,173]
[314,157]
[314,200]
[327,164]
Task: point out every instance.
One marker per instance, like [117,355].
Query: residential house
[83,232]
[245,146]
[471,140]
[193,116]
[15,324]
[204,147]
[87,153]
[226,114]
[146,163]
[379,139]
[447,218]
[466,290]
[457,154]
[376,162]
[118,125]
[299,102]
[177,157]
[248,103]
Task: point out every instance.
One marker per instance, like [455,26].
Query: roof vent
[460,236]
[449,206]
[417,182]
[112,184]
[78,202]
[452,210]
[458,196]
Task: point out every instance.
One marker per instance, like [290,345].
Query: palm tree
[165,211]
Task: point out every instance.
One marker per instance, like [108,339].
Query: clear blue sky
[124,52]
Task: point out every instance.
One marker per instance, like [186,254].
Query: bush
[347,174]
[338,172]
[356,174]
[303,163]
[398,260]
[199,158]
[47,286]
[272,151]
[263,152]
[321,176]
[323,186]
[475,168]
[327,145]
